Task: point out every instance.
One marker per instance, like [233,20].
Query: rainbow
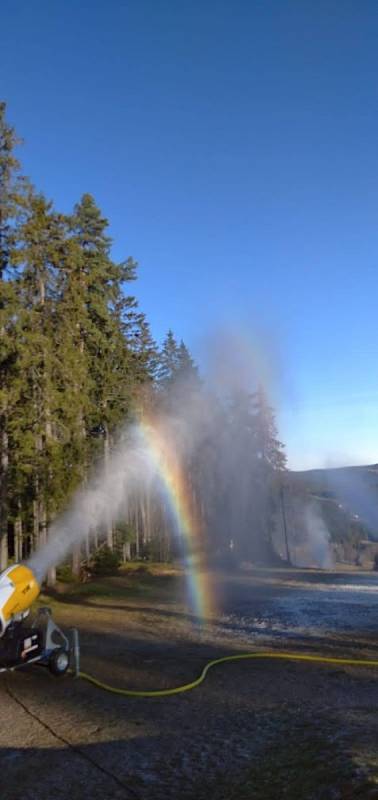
[167,465]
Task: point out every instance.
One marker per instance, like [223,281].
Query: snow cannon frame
[41,641]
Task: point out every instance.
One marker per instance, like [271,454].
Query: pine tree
[40,242]
[110,327]
[109,315]
[13,198]
[72,376]
[168,363]
[268,447]
[185,368]
[271,463]
[144,351]
[252,459]
[241,496]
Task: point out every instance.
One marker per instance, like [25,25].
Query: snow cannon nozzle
[19,588]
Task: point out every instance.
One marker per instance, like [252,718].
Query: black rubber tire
[59,662]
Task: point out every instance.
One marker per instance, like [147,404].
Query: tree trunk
[35,525]
[3,495]
[42,522]
[51,576]
[109,526]
[144,520]
[43,535]
[137,534]
[126,552]
[4,551]
[146,514]
[95,538]
[76,560]
[109,535]
[18,539]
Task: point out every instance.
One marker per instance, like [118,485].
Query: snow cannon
[41,640]
[18,590]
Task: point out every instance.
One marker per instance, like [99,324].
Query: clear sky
[233,145]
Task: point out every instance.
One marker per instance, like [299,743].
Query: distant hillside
[347,498]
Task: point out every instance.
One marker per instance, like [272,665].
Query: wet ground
[253,730]
[303,604]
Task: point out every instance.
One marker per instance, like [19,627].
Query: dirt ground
[257,730]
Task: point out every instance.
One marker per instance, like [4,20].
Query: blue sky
[233,147]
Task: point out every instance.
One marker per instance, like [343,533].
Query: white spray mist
[104,500]
[318,551]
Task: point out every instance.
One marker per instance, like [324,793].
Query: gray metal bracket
[53,635]
[75,651]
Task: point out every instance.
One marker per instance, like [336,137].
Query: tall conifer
[13,199]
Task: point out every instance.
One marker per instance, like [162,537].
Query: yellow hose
[353,662]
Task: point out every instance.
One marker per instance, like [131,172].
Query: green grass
[131,582]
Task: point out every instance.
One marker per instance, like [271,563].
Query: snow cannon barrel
[18,590]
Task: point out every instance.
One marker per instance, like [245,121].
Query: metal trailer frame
[53,640]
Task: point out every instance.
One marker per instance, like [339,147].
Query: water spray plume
[203,459]
[318,549]
[146,455]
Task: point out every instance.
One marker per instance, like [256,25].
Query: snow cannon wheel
[59,662]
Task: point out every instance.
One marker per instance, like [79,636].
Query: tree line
[77,359]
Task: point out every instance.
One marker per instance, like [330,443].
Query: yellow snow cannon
[23,642]
[18,590]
